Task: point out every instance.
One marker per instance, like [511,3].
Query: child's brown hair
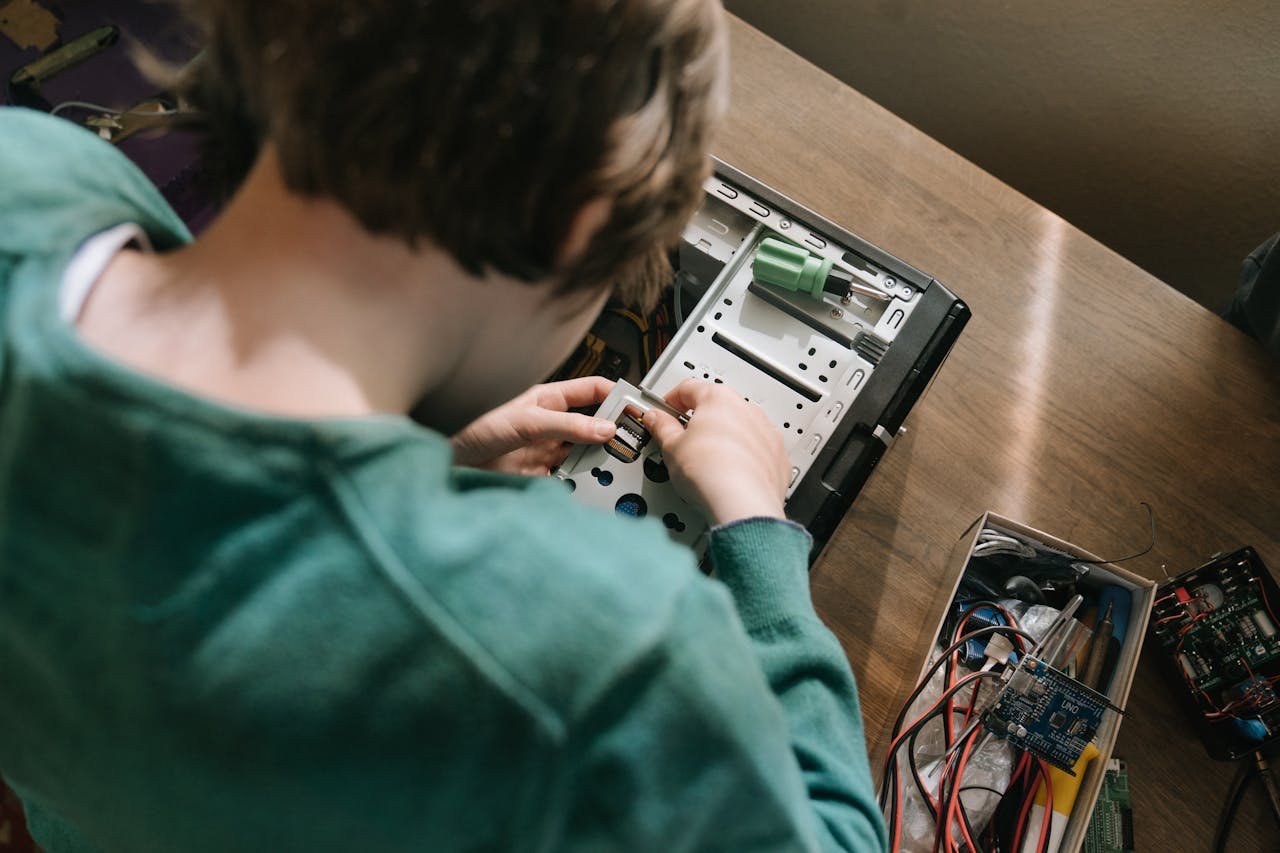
[483,126]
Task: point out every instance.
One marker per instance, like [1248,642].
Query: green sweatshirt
[225,631]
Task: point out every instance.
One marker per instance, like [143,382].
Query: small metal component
[630,438]
[147,115]
[658,402]
[837,313]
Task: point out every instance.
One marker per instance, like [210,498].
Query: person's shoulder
[560,595]
[62,182]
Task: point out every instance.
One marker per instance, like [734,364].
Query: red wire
[955,794]
[1023,812]
[948,721]
[897,814]
[946,811]
[890,759]
[896,742]
[1048,805]
[948,718]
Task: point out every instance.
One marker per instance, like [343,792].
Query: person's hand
[729,460]
[531,434]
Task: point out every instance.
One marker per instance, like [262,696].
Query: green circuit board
[1111,827]
[1218,629]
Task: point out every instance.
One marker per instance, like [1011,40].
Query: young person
[247,603]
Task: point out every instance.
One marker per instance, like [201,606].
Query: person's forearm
[764,563]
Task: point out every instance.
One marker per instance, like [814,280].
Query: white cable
[89,105]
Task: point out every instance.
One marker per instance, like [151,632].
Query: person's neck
[285,305]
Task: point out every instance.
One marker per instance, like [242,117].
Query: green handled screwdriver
[790,267]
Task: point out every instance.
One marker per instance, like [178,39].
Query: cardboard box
[1142,592]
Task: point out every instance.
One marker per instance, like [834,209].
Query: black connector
[629,440]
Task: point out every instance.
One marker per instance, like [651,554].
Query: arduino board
[1047,713]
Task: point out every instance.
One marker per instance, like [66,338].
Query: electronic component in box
[1218,633]
[1047,713]
[1111,827]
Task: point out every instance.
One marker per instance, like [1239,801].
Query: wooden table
[1082,386]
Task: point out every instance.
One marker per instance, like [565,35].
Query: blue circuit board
[1047,713]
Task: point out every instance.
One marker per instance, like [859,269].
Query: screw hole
[812,351]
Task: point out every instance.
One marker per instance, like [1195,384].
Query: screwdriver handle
[1092,674]
[790,267]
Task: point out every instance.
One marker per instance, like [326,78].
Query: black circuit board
[1047,713]
[1217,627]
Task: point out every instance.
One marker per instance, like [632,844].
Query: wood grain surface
[1081,387]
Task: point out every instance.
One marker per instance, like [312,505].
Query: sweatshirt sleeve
[713,737]
[764,563]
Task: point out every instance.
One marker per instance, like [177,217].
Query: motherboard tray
[837,375]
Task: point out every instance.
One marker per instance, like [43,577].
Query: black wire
[940,705]
[1000,613]
[946,654]
[1234,795]
[888,799]
[991,827]
[915,775]
[1151,519]
[964,816]
[995,791]
[954,794]
[889,778]
[1005,820]
[1047,830]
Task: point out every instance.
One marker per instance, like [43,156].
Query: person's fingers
[535,424]
[583,391]
[662,426]
[691,393]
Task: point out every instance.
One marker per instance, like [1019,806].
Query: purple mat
[110,78]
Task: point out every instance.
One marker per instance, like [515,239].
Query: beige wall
[1153,126]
